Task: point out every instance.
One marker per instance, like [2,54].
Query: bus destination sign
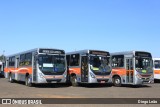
[99,53]
[143,54]
[51,51]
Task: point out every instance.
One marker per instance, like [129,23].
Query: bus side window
[118,61]
[22,59]
[74,61]
[28,59]
[12,61]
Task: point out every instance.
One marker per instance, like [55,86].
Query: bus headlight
[92,75]
[41,75]
[65,75]
[139,76]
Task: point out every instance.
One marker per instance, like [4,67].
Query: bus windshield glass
[100,65]
[52,64]
[157,64]
[144,65]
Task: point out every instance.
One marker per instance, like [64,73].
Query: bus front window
[100,65]
[52,64]
[143,65]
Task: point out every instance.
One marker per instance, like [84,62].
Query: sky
[111,25]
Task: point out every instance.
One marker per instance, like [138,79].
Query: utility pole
[3,57]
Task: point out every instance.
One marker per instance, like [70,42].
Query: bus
[156,67]
[1,69]
[40,65]
[132,68]
[88,66]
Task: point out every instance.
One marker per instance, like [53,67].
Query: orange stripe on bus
[156,71]
[119,71]
[22,70]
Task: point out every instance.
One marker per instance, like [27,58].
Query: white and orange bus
[133,67]
[156,67]
[88,66]
[1,68]
[41,65]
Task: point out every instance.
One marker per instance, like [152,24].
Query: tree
[2,58]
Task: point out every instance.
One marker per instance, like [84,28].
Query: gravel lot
[19,90]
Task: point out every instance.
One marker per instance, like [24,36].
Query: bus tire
[68,80]
[10,78]
[117,81]
[28,81]
[74,81]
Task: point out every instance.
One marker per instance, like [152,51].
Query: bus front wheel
[74,81]
[117,81]
[28,81]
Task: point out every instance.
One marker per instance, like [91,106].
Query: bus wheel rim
[28,80]
[75,80]
[10,79]
[117,81]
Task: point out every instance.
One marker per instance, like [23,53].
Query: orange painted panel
[21,70]
[75,70]
[156,71]
[119,71]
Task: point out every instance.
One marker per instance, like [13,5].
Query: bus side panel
[156,74]
[120,72]
[76,71]
[12,71]
[6,72]
[22,71]
[18,73]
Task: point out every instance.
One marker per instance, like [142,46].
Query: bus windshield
[52,64]
[157,64]
[143,65]
[100,65]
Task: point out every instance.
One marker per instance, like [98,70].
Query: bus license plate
[54,82]
[102,81]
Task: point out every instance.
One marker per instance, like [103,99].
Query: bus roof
[127,52]
[32,50]
[85,51]
[156,58]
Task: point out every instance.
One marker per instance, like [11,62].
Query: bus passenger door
[129,70]
[17,77]
[84,68]
[34,67]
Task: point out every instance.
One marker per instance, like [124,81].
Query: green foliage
[2,57]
